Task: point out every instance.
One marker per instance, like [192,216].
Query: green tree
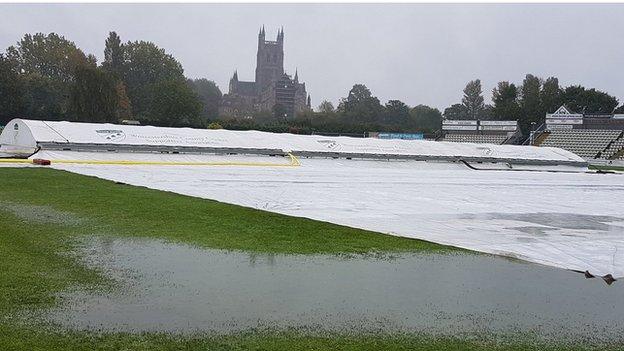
[174,104]
[47,64]
[456,112]
[487,113]
[360,106]
[426,119]
[551,95]
[530,103]
[49,56]
[505,99]
[619,109]
[326,107]
[12,90]
[396,113]
[114,55]
[210,96]
[146,67]
[473,99]
[584,100]
[94,96]
[44,98]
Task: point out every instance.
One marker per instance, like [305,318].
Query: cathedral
[273,90]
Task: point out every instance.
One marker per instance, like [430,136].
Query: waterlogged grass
[43,212]
[279,341]
[34,263]
[133,211]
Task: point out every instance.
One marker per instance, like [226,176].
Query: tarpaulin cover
[567,220]
[23,137]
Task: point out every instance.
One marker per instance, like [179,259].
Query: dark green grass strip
[28,339]
[606,168]
[134,211]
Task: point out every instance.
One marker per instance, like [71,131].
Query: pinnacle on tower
[280,34]
[235,76]
[296,76]
[261,33]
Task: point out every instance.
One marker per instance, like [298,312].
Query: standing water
[179,288]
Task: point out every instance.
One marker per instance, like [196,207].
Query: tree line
[530,102]
[46,76]
[358,113]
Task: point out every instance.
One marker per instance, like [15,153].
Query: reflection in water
[178,288]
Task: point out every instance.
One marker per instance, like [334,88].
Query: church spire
[296,75]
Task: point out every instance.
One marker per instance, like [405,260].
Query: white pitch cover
[569,220]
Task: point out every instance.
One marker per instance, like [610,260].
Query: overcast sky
[417,53]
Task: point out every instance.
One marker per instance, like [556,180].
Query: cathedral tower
[272,91]
[270,60]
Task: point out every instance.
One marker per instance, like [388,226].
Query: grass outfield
[134,211]
[43,210]
[606,168]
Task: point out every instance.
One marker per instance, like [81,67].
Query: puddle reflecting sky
[178,288]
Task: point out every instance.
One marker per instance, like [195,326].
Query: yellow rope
[294,162]
[14,160]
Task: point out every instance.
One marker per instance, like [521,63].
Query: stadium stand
[615,149]
[587,143]
[475,138]
[592,137]
[480,131]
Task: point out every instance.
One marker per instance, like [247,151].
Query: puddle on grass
[40,214]
[178,288]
